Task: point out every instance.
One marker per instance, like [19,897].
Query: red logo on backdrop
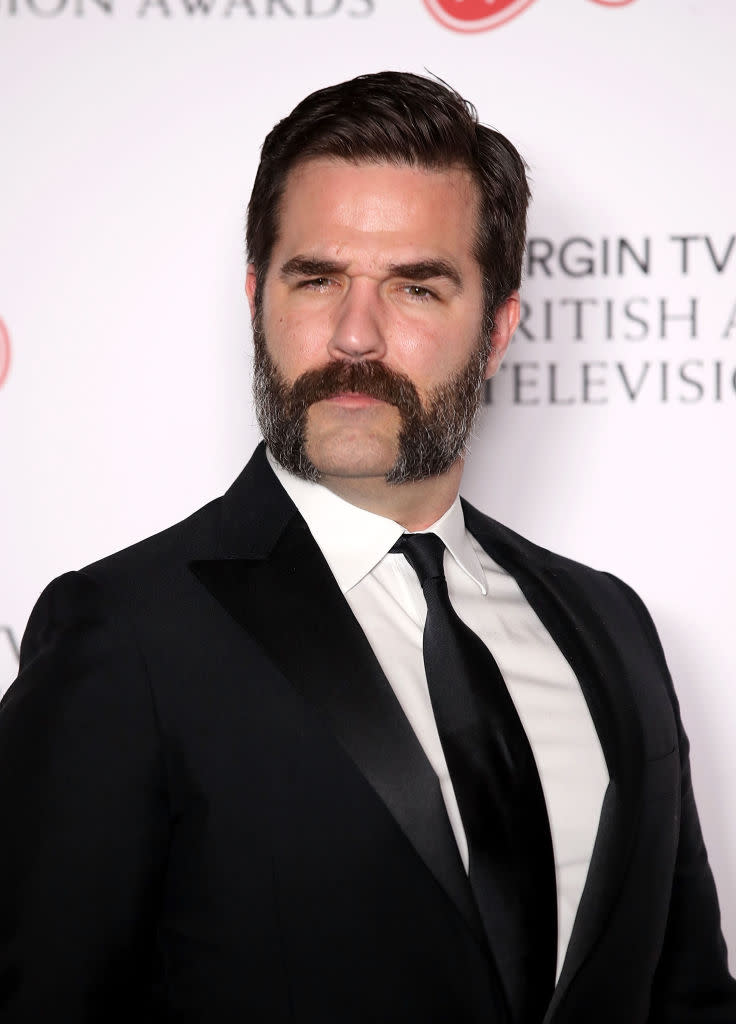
[480,15]
[4,352]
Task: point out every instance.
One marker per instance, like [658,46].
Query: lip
[353,400]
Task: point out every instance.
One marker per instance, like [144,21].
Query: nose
[357,330]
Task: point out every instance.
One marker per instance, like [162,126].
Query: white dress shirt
[385,596]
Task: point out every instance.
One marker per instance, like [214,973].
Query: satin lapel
[287,599]
[566,607]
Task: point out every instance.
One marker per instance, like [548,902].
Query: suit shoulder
[123,590]
[202,535]
[501,539]
[513,551]
[196,536]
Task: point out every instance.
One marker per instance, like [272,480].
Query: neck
[415,506]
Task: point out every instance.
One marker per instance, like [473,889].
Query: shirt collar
[354,541]
[452,532]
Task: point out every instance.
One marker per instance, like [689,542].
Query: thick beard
[432,437]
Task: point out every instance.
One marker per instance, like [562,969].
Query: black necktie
[498,791]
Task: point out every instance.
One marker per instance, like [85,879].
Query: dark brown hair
[399,118]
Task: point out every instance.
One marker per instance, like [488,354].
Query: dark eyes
[318,283]
[418,291]
[415,291]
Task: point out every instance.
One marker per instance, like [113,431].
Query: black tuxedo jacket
[214,809]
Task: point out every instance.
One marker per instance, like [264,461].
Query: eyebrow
[420,270]
[305,266]
[426,270]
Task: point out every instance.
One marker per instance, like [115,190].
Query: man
[338,747]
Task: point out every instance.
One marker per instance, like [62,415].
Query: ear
[250,289]
[505,322]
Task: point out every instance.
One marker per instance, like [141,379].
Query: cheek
[297,342]
[430,353]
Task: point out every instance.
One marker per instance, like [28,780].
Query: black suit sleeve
[692,984]
[84,817]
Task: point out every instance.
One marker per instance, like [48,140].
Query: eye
[419,292]
[316,283]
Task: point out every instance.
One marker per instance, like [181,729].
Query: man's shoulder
[523,558]
[503,544]
[98,604]
[215,530]
[193,537]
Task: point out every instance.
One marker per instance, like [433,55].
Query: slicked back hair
[403,119]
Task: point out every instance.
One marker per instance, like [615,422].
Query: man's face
[369,333]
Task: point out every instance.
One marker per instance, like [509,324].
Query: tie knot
[425,553]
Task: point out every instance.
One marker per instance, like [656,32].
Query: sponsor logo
[481,15]
[617,320]
[4,353]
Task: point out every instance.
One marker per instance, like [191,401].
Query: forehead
[333,204]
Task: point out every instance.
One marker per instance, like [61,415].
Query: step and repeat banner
[130,132]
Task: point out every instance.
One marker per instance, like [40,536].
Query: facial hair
[432,435]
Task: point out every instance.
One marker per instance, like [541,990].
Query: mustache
[368,377]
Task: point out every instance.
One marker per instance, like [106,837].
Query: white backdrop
[130,132]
